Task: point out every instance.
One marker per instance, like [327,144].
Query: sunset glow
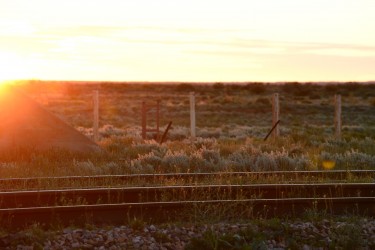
[204,41]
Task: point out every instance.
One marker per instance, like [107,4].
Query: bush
[205,160]
[175,162]
[350,160]
[297,89]
[185,87]
[265,162]
[256,88]
[263,101]
[352,87]
[149,160]
[241,161]
[218,86]
[331,88]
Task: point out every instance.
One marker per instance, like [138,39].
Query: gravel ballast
[270,234]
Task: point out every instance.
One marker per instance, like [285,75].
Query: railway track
[15,199]
[152,179]
[169,211]
[161,203]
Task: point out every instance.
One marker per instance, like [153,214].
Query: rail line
[105,180]
[14,199]
[169,211]
[161,202]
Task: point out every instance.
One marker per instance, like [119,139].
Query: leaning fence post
[96,115]
[337,120]
[192,115]
[275,115]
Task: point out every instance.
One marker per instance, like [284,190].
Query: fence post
[143,120]
[96,115]
[157,119]
[275,115]
[337,120]
[192,115]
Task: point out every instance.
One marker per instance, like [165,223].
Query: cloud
[144,48]
[246,47]
[212,41]
[144,34]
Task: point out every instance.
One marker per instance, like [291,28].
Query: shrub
[284,162]
[85,168]
[296,89]
[315,96]
[185,87]
[210,155]
[241,161]
[218,86]
[205,160]
[175,162]
[178,133]
[265,162]
[146,147]
[109,130]
[331,88]
[209,143]
[351,87]
[263,101]
[149,161]
[235,87]
[256,88]
[350,160]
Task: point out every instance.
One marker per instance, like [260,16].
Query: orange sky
[203,41]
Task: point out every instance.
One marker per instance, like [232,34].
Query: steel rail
[15,199]
[168,211]
[284,175]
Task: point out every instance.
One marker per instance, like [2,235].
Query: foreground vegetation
[232,121]
[126,155]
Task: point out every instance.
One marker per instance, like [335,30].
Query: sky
[188,41]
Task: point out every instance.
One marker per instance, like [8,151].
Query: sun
[13,67]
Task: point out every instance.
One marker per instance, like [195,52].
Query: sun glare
[13,67]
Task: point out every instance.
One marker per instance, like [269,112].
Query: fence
[147,109]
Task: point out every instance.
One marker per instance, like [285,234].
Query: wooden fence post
[143,120]
[192,115]
[96,115]
[157,119]
[275,115]
[337,120]
[146,109]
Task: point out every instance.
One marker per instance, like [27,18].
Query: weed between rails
[220,179]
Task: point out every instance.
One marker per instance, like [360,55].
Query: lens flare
[328,164]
